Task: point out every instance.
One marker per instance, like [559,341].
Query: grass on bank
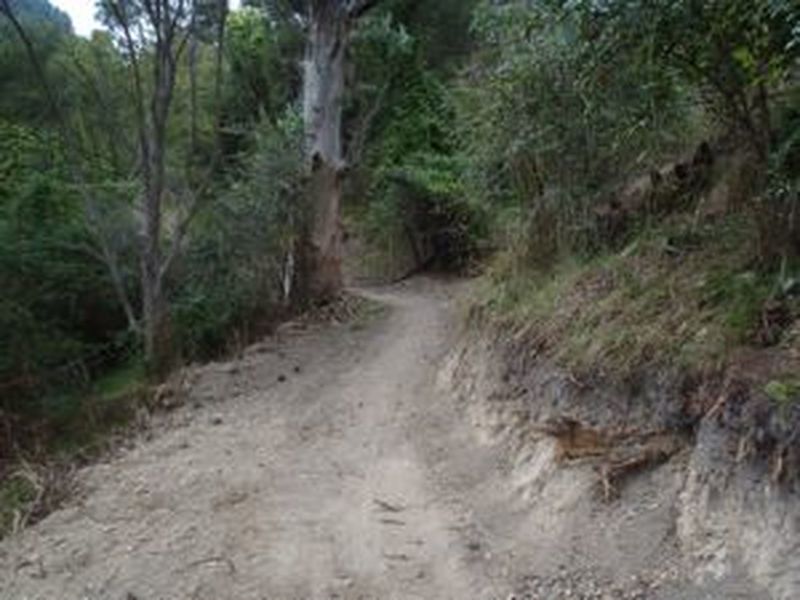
[679,294]
[79,426]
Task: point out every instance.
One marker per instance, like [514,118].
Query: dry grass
[32,491]
[38,463]
[678,295]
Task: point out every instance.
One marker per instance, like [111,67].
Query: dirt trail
[323,466]
[318,486]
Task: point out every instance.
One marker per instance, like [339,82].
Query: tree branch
[200,193]
[357,8]
[121,17]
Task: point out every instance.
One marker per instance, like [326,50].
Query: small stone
[216,420]
[281,378]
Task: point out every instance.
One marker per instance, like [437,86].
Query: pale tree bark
[330,23]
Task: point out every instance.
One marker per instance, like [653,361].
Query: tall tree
[330,23]
[154,35]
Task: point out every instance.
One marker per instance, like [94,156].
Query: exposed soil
[328,463]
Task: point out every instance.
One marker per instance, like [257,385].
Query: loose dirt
[325,463]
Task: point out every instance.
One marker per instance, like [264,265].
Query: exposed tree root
[618,453]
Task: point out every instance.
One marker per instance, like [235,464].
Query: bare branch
[357,8]
[121,17]
[152,15]
[200,193]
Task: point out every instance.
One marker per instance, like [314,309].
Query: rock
[165,397]
[231,368]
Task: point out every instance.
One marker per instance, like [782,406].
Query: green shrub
[553,115]
[232,273]
[57,304]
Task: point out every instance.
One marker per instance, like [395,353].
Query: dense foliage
[233,275]
[552,117]
[70,182]
[56,299]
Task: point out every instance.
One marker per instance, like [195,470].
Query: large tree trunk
[319,262]
[323,91]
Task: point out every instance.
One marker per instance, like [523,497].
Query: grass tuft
[679,294]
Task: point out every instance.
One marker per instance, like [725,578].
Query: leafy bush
[233,271]
[553,116]
[262,55]
[416,190]
[56,304]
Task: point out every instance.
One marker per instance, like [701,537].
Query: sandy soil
[327,464]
